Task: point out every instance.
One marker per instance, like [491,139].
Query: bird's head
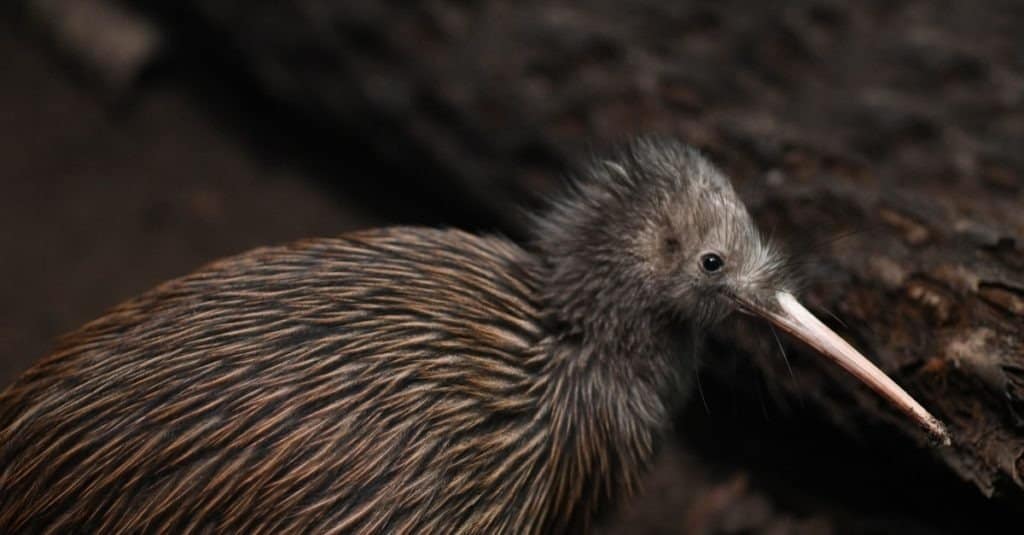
[654,230]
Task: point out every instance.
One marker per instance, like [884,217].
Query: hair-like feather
[402,380]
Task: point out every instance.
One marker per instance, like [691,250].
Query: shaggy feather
[402,380]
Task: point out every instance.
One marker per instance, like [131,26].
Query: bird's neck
[614,380]
[631,352]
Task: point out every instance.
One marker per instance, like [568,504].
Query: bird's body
[390,381]
[403,380]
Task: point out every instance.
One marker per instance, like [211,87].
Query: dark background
[253,125]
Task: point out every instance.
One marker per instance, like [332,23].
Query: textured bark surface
[878,140]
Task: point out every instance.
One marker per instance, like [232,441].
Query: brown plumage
[403,380]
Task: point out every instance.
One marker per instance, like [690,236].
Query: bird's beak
[789,315]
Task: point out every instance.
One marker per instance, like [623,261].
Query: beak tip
[939,434]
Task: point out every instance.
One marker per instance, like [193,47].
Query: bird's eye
[711,262]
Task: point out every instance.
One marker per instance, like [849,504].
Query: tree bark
[878,140]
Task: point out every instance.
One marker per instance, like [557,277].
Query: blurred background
[140,140]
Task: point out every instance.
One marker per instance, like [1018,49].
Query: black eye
[711,262]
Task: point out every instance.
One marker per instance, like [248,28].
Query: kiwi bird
[406,380]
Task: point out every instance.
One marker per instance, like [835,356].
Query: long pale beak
[792,317]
